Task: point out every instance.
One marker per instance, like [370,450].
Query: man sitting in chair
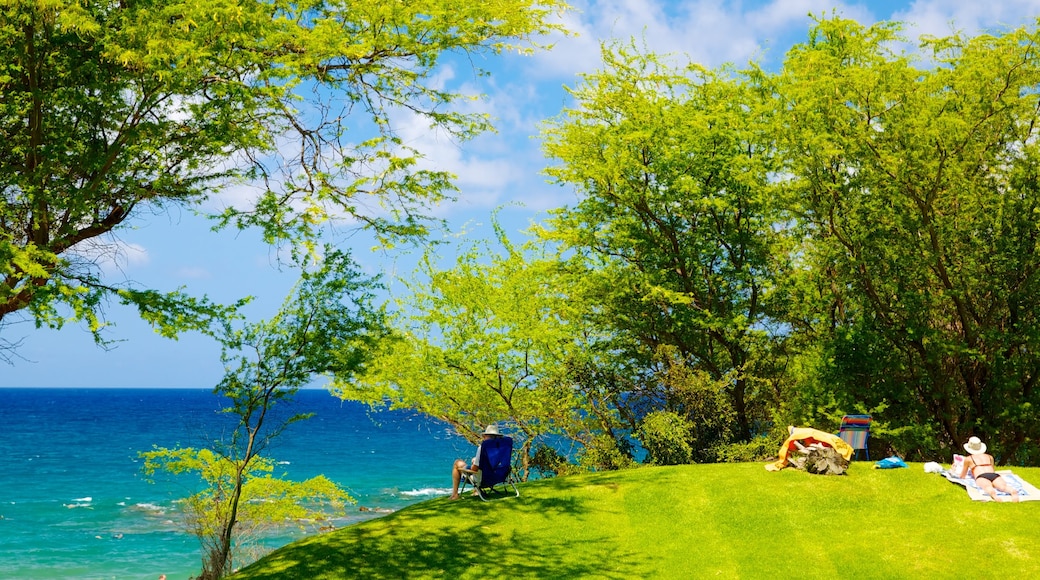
[472,471]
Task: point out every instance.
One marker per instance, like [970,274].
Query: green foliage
[666,438]
[112,111]
[854,233]
[703,404]
[602,382]
[477,344]
[325,326]
[265,501]
[605,453]
[675,224]
[547,461]
[758,449]
[915,195]
[857,231]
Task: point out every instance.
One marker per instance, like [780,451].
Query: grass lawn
[691,521]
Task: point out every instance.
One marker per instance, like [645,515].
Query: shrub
[758,449]
[548,462]
[704,404]
[604,453]
[666,438]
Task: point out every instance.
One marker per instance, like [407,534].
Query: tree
[266,502]
[325,327]
[478,344]
[675,222]
[114,110]
[914,184]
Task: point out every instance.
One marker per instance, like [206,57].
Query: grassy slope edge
[691,521]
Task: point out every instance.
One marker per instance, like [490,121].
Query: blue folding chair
[855,430]
[496,467]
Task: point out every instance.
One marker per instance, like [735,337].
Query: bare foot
[454,496]
[1014,496]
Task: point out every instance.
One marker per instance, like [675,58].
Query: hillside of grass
[691,521]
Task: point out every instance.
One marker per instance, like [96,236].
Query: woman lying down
[981,466]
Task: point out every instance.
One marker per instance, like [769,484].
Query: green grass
[693,521]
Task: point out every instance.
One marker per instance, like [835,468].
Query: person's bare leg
[456,477]
[987,486]
[1002,485]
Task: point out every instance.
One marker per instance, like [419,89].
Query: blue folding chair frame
[496,467]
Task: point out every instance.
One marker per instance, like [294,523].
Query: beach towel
[1026,492]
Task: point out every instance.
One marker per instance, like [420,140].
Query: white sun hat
[975,446]
[492,430]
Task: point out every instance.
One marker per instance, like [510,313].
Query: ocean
[74,503]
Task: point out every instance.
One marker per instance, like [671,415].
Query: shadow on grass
[467,538]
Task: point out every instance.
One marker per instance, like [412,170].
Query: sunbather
[981,466]
[470,471]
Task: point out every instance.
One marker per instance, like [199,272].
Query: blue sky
[497,170]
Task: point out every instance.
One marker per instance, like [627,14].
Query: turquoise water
[73,503]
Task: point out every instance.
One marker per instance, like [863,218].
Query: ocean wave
[426,491]
[150,508]
[36,482]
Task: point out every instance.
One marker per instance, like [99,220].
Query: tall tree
[915,183]
[672,168]
[325,327]
[112,110]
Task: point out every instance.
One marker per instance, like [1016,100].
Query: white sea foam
[426,491]
[150,507]
[147,508]
[86,499]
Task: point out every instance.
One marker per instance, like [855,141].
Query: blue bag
[889,463]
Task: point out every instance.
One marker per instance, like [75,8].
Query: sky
[500,172]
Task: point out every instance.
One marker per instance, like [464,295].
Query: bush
[603,453]
[703,403]
[549,462]
[758,449]
[666,438]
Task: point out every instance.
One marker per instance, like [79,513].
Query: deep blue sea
[74,504]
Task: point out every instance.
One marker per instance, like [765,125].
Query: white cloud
[944,17]
[505,167]
[713,33]
[709,32]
